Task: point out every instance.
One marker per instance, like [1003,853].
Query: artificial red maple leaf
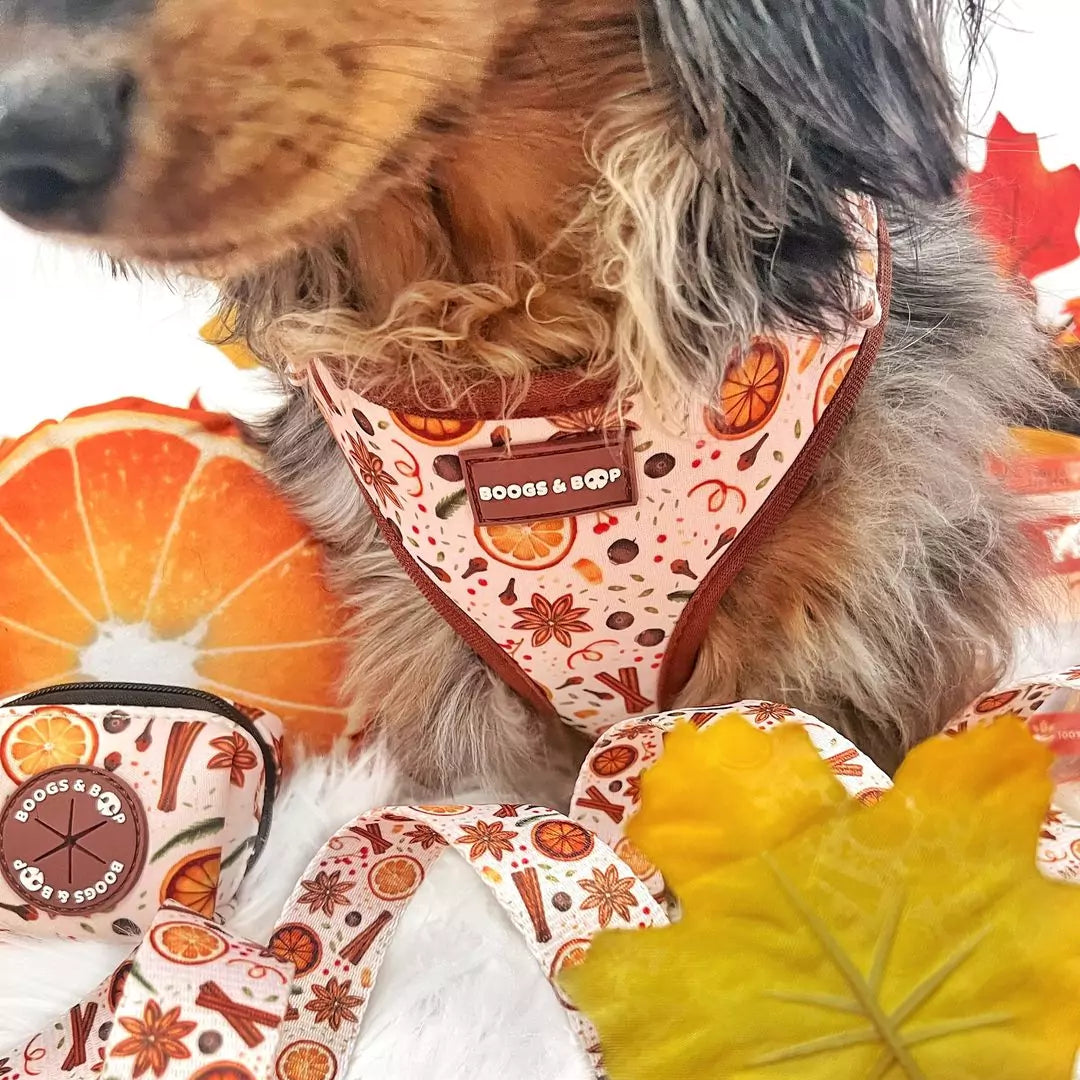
[1031,213]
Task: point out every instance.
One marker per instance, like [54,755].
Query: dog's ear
[787,104]
[853,93]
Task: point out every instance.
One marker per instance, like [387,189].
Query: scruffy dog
[431,194]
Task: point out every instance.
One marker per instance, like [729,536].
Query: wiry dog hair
[456,190]
[789,105]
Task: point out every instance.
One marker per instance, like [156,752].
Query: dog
[435,194]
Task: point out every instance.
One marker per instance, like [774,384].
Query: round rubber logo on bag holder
[73,840]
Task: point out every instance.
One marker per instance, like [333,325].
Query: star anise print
[426,837]
[155,1040]
[547,620]
[333,1004]
[487,838]
[233,754]
[370,467]
[324,892]
[609,894]
[771,712]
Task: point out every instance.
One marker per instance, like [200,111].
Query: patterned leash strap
[194,1002]
[1051,706]
[559,884]
[609,786]
[198,1003]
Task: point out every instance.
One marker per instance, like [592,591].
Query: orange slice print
[635,858]
[298,945]
[139,542]
[562,840]
[188,944]
[435,430]
[834,374]
[306,1060]
[614,760]
[46,738]
[193,882]
[750,392]
[535,545]
[570,954]
[395,877]
[993,702]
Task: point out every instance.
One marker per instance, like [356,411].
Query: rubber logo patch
[559,478]
[73,840]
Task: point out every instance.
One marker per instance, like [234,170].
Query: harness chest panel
[581,550]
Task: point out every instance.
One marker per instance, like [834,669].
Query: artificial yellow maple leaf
[219,331]
[825,940]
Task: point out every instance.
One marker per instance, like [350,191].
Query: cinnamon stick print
[354,952]
[700,719]
[182,736]
[598,801]
[373,835]
[244,1019]
[627,687]
[82,1023]
[528,886]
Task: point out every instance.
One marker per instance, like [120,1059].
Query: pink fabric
[201,780]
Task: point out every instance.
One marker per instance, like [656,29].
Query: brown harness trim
[549,393]
[690,630]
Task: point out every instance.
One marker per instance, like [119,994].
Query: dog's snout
[62,142]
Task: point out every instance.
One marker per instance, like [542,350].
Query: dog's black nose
[62,142]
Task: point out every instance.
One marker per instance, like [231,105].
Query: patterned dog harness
[581,551]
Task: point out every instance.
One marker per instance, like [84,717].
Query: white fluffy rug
[458,998]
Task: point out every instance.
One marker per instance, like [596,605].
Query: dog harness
[581,548]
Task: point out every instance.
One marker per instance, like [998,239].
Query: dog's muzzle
[63,136]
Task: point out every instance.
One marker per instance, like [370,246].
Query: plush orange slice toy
[141,543]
